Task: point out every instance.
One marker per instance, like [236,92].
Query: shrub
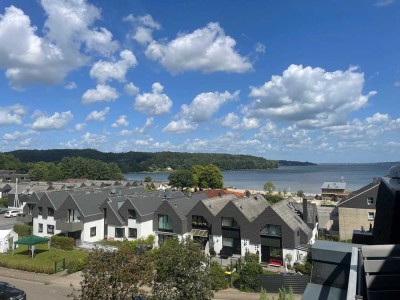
[218,277]
[22,230]
[250,273]
[76,266]
[24,267]
[62,242]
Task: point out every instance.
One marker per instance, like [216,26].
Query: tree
[114,275]
[38,171]
[269,187]
[208,176]
[250,273]
[182,272]
[274,198]
[147,179]
[181,179]
[300,193]
[218,278]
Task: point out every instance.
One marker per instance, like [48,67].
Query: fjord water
[306,178]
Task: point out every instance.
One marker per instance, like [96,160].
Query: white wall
[297,255]
[45,222]
[314,235]
[85,236]
[145,229]
[217,243]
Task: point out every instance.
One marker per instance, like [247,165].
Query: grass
[43,262]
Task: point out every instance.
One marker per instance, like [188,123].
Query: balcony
[72,226]
[24,218]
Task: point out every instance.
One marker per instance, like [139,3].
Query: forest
[148,161]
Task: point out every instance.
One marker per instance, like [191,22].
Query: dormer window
[50,212]
[229,222]
[131,214]
[370,200]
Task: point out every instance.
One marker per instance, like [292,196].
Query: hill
[294,163]
[148,161]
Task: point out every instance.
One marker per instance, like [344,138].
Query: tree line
[147,161]
[68,167]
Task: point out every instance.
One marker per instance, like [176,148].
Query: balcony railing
[24,218]
[69,226]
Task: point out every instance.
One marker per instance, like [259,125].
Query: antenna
[16,199]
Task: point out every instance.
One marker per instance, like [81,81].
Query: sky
[304,80]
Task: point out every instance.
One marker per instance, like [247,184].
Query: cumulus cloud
[16,135]
[93,139]
[154,103]
[55,122]
[102,93]
[180,126]
[80,126]
[98,115]
[31,58]
[104,71]
[207,49]
[143,27]
[205,105]
[233,121]
[311,97]
[121,121]
[12,114]
[131,89]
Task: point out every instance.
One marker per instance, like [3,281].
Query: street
[6,223]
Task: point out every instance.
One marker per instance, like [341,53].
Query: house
[334,190]
[357,210]
[7,239]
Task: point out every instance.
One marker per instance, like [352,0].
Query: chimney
[168,194]
[305,210]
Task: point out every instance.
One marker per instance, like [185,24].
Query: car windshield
[5,287]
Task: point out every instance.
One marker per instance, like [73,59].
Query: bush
[62,242]
[24,267]
[218,277]
[76,266]
[4,202]
[250,273]
[22,230]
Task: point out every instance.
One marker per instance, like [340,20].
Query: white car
[12,213]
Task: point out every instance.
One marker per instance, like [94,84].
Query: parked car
[10,292]
[12,213]
[3,210]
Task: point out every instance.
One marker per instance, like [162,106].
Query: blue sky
[295,80]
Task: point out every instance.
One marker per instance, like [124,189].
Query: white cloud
[207,49]
[131,89]
[205,105]
[312,97]
[80,126]
[259,48]
[121,121]
[154,103]
[12,114]
[378,118]
[143,28]
[104,71]
[381,3]
[16,135]
[70,85]
[101,93]
[232,120]
[180,126]
[31,58]
[98,115]
[55,122]
[93,139]
[147,125]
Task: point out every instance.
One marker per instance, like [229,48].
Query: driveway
[7,223]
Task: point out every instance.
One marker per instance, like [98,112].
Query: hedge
[22,230]
[62,242]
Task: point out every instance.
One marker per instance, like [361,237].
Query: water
[306,178]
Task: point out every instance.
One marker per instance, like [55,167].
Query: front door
[265,256]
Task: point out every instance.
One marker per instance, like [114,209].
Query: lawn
[43,262]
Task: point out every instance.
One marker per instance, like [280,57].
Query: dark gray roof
[57,197]
[311,209]
[251,206]
[89,203]
[183,205]
[115,203]
[216,204]
[284,210]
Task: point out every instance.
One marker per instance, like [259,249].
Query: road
[7,223]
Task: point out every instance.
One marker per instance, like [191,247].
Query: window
[50,212]
[371,216]
[271,229]
[40,227]
[131,214]
[132,232]
[93,231]
[275,252]
[164,223]
[40,210]
[298,232]
[199,221]
[370,200]
[50,229]
[227,242]
[229,222]
[119,232]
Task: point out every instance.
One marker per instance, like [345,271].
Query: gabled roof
[284,210]
[360,191]
[183,205]
[56,197]
[89,203]
[215,205]
[251,207]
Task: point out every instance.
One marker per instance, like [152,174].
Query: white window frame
[371,216]
[370,199]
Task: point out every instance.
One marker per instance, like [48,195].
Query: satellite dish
[394,172]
